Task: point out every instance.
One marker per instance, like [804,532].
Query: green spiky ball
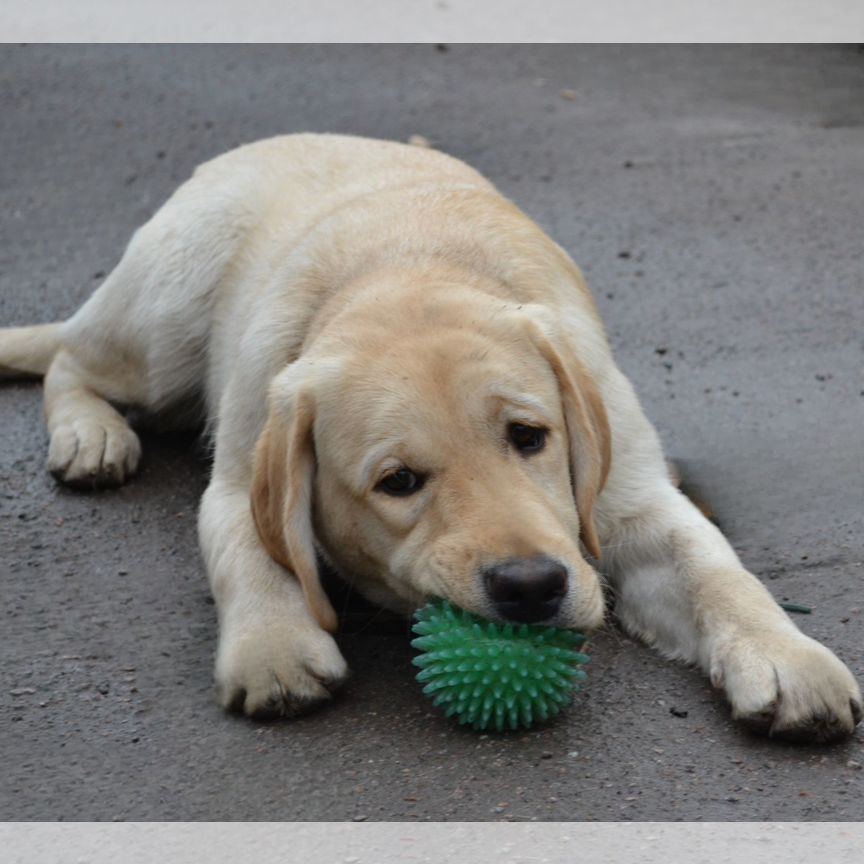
[492,675]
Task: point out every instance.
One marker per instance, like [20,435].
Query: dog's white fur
[308,290]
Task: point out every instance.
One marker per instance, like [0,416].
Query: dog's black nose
[526,589]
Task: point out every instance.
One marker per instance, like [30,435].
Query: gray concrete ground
[714,198]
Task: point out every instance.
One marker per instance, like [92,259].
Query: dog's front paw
[280,668]
[92,453]
[788,686]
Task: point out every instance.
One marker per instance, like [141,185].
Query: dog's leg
[91,442]
[142,337]
[681,588]
[273,657]
[27,352]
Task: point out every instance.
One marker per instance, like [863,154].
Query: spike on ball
[497,676]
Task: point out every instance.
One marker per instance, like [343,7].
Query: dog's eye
[402,482]
[526,439]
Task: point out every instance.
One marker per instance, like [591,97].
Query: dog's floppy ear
[281,494]
[590,439]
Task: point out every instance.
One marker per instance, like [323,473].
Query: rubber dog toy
[493,675]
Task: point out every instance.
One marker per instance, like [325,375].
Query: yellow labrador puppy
[406,376]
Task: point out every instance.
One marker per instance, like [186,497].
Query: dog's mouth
[585,621]
[554,622]
[510,594]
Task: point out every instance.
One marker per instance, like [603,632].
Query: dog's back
[155,316]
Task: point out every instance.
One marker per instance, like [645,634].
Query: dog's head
[460,457]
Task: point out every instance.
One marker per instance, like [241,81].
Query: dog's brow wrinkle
[368,466]
[376,455]
[524,401]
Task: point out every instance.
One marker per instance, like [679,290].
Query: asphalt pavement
[714,198]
